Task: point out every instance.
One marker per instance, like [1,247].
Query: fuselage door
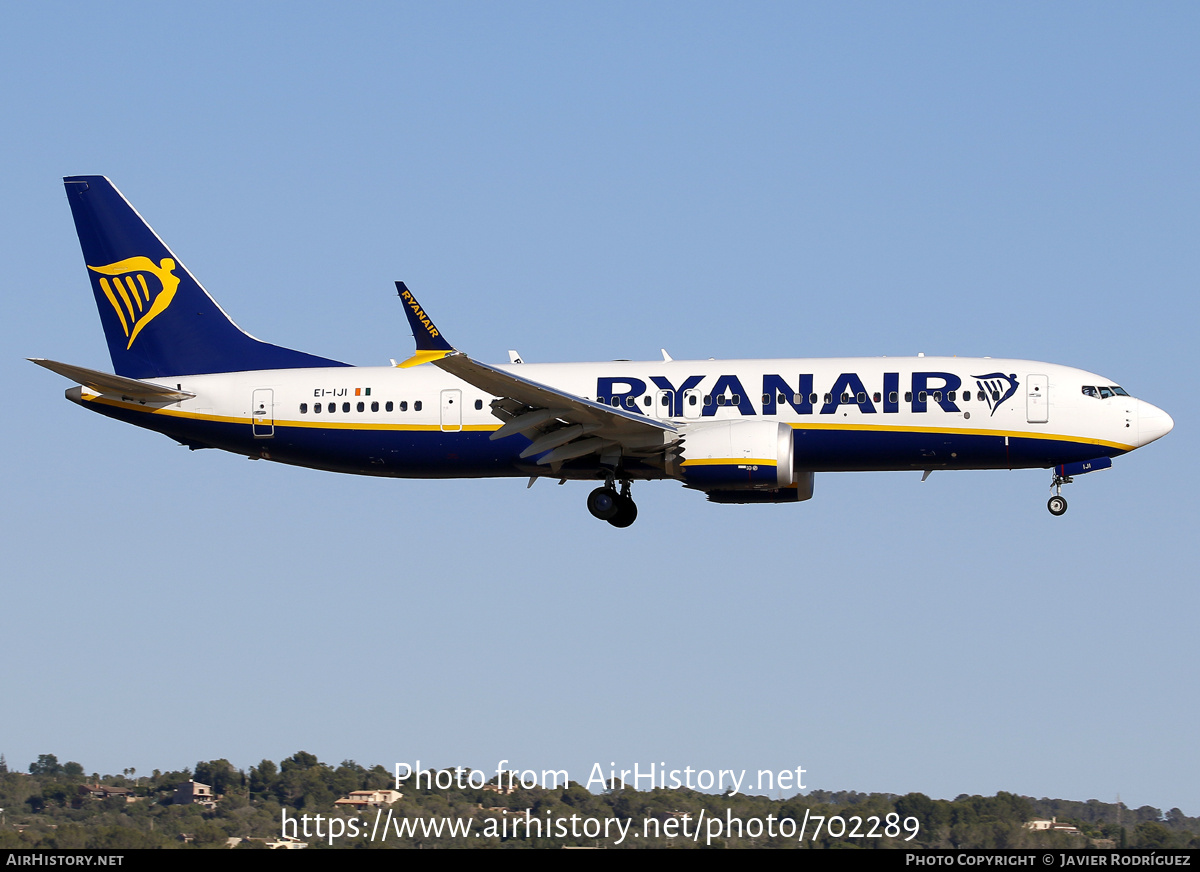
[1037,399]
[662,404]
[451,411]
[262,413]
[693,403]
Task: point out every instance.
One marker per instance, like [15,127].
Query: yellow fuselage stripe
[960,431]
[730,461]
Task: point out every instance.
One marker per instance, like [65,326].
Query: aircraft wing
[563,426]
[105,383]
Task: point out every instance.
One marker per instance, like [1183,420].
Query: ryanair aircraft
[739,431]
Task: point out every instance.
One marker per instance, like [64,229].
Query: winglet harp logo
[133,299]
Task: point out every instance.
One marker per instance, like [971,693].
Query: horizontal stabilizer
[105,383]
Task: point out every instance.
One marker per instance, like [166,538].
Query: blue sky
[595,182]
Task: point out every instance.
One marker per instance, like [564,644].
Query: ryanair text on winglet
[412,303]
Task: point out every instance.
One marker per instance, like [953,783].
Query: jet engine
[734,456]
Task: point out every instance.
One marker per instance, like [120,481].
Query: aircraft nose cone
[1153,423]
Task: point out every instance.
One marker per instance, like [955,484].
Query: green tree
[47,764]
[300,760]
[263,778]
[930,815]
[1151,834]
[209,835]
[217,774]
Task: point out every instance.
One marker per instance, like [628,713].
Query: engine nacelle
[801,490]
[735,455]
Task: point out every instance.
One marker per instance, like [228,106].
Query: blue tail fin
[157,319]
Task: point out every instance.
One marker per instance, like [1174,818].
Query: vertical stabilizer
[157,318]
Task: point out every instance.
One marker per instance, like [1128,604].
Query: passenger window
[893,397]
[721,400]
[937,396]
[995,396]
[416,405]
[304,408]
[736,399]
[361,407]
[374,407]
[691,399]
[979,395]
[861,397]
[388,407]
[908,396]
[966,396]
[877,396]
[708,400]
[922,397]
[812,399]
[845,397]
[345,407]
[629,401]
[828,399]
[951,396]
[616,401]
[332,408]
[478,405]
[767,399]
[646,401]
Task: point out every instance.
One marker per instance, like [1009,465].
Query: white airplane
[740,431]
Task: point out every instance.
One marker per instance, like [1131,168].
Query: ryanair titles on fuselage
[922,390]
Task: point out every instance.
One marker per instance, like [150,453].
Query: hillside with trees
[53,805]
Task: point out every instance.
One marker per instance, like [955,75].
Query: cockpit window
[1105,392]
[1089,391]
[1119,391]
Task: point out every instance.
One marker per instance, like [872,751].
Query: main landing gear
[1057,504]
[608,505]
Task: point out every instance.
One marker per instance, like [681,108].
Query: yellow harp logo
[134,301]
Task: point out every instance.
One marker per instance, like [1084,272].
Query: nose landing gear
[608,505]
[1057,504]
